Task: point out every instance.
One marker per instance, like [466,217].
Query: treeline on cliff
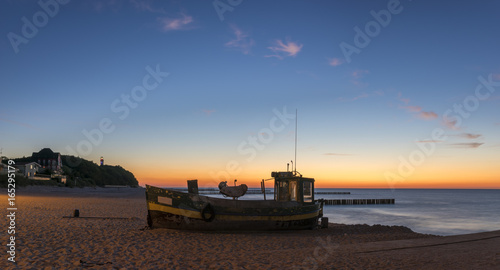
[81,172]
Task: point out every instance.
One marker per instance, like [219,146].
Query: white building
[28,169]
[4,168]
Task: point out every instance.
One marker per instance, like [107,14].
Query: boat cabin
[292,187]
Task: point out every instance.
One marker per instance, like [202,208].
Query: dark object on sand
[76,214]
[324,222]
[293,207]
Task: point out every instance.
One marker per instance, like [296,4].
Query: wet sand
[46,240]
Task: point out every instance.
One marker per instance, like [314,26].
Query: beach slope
[116,237]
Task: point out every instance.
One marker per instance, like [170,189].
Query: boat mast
[295,162]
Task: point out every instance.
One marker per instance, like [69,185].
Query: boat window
[283,191]
[293,190]
[308,192]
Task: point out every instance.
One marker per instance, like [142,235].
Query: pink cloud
[289,48]
[169,24]
[450,123]
[412,108]
[208,112]
[469,135]
[357,75]
[417,109]
[241,41]
[496,76]
[466,145]
[335,62]
[359,83]
[405,100]
[427,115]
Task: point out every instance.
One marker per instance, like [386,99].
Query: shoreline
[45,239]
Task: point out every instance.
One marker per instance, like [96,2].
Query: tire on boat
[208,209]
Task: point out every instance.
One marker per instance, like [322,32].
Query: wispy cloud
[404,100]
[19,124]
[285,49]
[357,75]
[427,115]
[412,108]
[469,135]
[361,96]
[336,154]
[208,112]
[417,110]
[173,24]
[496,76]
[466,145]
[335,62]
[241,41]
[419,113]
[450,123]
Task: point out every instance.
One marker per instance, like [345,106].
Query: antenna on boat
[295,162]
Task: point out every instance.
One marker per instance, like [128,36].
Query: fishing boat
[292,207]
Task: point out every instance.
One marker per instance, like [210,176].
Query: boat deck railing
[214,191]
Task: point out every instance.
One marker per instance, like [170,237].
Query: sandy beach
[46,240]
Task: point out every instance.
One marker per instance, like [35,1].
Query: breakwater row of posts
[358,201]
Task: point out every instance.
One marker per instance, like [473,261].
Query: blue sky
[358,113]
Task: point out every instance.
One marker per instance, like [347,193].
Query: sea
[429,211]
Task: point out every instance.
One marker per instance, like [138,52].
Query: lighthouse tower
[102,161]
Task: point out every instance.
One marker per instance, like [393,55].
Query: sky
[388,94]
